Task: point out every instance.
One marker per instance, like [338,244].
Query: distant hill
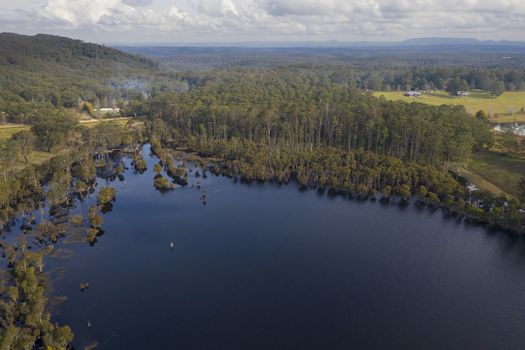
[23,50]
[418,54]
[40,70]
[459,42]
[332,44]
[439,41]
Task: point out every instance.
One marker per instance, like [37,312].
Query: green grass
[39,157]
[502,109]
[462,170]
[6,131]
[122,121]
[496,172]
[499,169]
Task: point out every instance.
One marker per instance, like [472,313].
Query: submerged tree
[157,169]
[91,234]
[48,230]
[25,323]
[140,164]
[106,195]
[162,184]
[77,219]
[95,220]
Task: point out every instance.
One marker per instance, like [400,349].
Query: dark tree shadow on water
[106,208]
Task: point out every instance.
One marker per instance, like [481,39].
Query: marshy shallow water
[264,266]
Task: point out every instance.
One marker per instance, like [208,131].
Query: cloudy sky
[172,21]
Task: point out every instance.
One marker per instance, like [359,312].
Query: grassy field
[7,130]
[497,169]
[39,157]
[503,109]
[462,169]
[510,144]
[93,122]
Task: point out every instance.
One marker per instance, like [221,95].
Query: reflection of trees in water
[55,302]
[111,166]
[106,208]
[56,274]
[62,253]
[75,235]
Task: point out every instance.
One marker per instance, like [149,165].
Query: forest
[25,321]
[42,74]
[278,127]
[372,67]
[276,121]
[297,109]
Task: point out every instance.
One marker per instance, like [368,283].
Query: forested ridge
[41,73]
[44,72]
[28,51]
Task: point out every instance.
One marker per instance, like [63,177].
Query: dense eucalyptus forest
[333,137]
[313,125]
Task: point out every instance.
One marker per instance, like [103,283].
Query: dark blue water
[270,267]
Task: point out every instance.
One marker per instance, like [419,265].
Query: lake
[264,266]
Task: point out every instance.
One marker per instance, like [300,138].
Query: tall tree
[456,84]
[25,139]
[54,130]
[496,87]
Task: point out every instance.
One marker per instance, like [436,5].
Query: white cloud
[138,2]
[274,19]
[80,12]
